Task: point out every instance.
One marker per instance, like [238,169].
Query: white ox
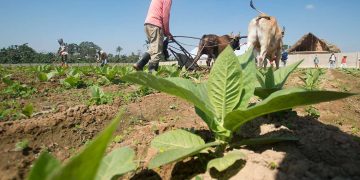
[265,36]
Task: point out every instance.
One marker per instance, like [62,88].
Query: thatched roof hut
[309,43]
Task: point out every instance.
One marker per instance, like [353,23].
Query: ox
[265,36]
[212,45]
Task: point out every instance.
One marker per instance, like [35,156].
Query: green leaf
[182,88]
[7,80]
[261,79]
[220,132]
[85,165]
[176,139]
[225,162]
[224,83]
[282,74]
[176,145]
[22,145]
[263,93]
[177,155]
[43,167]
[28,110]
[269,78]
[42,77]
[117,163]
[248,79]
[278,101]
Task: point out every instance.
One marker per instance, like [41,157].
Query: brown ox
[265,36]
[212,45]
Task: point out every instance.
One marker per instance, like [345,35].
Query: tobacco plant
[73,79]
[98,96]
[223,104]
[311,78]
[15,89]
[271,81]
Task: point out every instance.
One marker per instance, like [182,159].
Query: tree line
[85,52]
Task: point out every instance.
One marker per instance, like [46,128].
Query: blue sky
[110,23]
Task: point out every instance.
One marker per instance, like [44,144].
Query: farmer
[284,57]
[316,61]
[103,57]
[156,27]
[63,52]
[332,61]
[343,62]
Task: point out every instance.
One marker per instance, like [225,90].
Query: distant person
[103,57]
[284,57]
[359,62]
[332,61]
[316,61]
[343,62]
[63,52]
[156,27]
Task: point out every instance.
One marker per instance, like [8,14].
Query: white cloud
[310,7]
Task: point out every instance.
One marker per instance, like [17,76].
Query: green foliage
[10,110]
[270,81]
[4,113]
[223,103]
[14,89]
[108,74]
[311,78]
[73,80]
[125,70]
[226,161]
[28,110]
[168,71]
[44,166]
[43,69]
[273,166]
[89,163]
[117,163]
[98,96]
[59,71]
[177,145]
[312,112]
[7,80]
[279,101]
[22,145]
[43,77]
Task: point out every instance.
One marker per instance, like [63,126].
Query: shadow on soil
[322,152]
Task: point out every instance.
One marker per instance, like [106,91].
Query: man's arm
[166,16]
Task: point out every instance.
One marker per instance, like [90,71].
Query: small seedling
[312,112]
[273,166]
[118,139]
[28,110]
[22,145]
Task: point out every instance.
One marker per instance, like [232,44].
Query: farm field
[62,110]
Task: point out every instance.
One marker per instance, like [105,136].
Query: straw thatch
[309,43]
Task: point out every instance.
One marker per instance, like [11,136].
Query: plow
[183,56]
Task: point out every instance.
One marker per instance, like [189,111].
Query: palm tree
[119,49]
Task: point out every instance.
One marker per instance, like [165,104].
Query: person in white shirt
[63,52]
[332,61]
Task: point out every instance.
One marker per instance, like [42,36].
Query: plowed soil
[328,146]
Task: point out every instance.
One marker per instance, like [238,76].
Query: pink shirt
[159,14]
